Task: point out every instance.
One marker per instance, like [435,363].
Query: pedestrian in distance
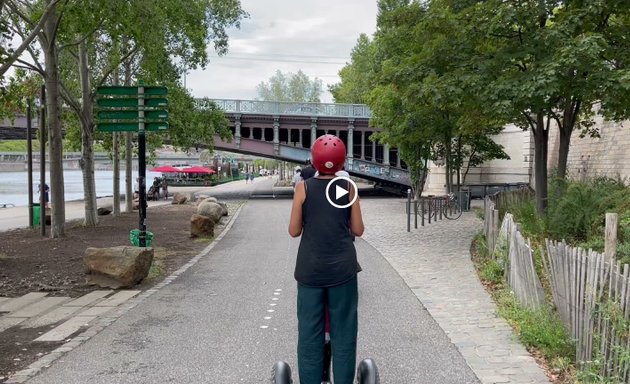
[326,268]
[297,177]
[136,188]
[164,186]
[246,177]
[308,171]
[45,191]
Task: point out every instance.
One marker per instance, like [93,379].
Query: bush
[541,329]
[579,214]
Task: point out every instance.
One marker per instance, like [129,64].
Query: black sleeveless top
[326,256]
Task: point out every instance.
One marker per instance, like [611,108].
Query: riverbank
[14,185]
[17,217]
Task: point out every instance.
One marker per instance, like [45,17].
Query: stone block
[179,198]
[201,226]
[211,210]
[117,267]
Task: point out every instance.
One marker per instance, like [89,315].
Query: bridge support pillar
[398,157]
[386,154]
[313,130]
[237,130]
[374,152]
[276,134]
[362,145]
[350,138]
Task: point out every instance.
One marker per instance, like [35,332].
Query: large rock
[179,198]
[211,210]
[201,226]
[224,208]
[104,211]
[117,267]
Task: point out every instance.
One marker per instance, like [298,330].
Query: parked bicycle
[442,206]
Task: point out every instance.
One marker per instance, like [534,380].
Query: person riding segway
[326,268]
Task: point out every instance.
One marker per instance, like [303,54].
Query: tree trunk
[116,181]
[460,162]
[563,154]
[116,161]
[568,124]
[448,164]
[128,153]
[541,140]
[55,146]
[87,141]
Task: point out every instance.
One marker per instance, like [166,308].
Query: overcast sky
[315,36]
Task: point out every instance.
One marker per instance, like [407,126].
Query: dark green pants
[342,303]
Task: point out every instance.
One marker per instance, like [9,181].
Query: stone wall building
[607,155]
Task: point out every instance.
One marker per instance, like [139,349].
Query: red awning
[166,169]
[198,170]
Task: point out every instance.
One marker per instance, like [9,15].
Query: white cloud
[313,36]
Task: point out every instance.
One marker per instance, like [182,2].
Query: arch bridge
[286,130]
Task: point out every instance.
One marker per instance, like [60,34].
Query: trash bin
[134,236]
[463,198]
[36,214]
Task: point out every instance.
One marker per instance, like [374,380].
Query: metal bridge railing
[289,108]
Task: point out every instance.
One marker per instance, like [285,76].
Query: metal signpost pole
[142,149]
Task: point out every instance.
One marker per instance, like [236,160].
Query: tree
[8,55]
[115,40]
[424,99]
[548,62]
[294,87]
[357,78]
[186,29]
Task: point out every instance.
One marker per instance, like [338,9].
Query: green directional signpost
[134,109]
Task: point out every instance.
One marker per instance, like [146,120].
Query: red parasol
[198,170]
[166,169]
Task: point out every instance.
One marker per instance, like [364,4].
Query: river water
[14,185]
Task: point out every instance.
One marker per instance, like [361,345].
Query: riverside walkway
[230,312]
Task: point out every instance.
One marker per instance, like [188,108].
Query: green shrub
[526,215]
[492,271]
[540,329]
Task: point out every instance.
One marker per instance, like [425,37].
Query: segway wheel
[281,373]
[367,373]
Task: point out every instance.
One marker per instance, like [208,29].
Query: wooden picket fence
[590,291]
[592,295]
[491,224]
[495,207]
[520,270]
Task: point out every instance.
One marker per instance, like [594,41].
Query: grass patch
[203,239]
[542,332]
[156,270]
[542,329]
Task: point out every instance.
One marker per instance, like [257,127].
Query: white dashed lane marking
[276,292]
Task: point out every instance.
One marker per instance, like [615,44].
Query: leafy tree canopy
[295,87]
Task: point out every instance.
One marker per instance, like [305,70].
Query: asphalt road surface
[229,317]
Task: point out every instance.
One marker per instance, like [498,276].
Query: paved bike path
[231,315]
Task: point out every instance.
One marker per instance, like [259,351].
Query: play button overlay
[340,192]
[341,187]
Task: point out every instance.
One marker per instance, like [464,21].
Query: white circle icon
[341,192]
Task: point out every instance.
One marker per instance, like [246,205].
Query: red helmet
[328,154]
